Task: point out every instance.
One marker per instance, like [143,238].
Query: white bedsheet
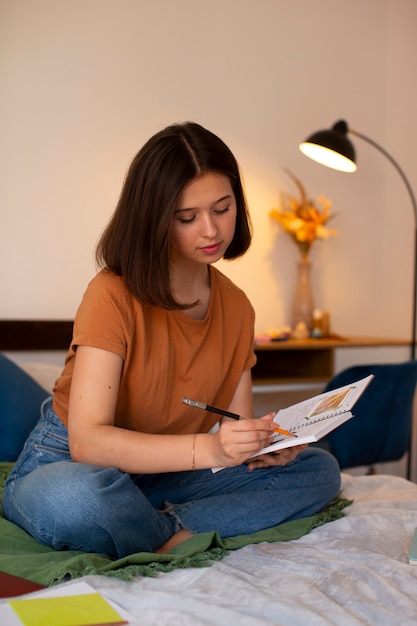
[348,572]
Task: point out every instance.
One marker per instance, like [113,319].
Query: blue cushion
[380,431]
[20,401]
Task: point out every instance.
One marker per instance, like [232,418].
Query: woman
[117,463]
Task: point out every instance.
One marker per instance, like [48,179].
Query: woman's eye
[189,220]
[222,211]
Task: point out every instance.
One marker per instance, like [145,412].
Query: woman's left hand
[273,459]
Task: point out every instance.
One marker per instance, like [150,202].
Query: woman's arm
[94,439]
[242,402]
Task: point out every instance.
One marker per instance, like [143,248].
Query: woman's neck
[192,285]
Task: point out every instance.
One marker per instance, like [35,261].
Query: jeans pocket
[52,442]
[47,443]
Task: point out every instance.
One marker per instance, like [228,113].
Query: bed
[348,572]
[347,566]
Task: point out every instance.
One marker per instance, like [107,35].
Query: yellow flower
[304,220]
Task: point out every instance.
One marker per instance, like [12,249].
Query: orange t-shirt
[167,355]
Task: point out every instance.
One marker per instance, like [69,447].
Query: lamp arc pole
[338,134]
[414,205]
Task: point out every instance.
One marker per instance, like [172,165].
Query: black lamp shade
[331,148]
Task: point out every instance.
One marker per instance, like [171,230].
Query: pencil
[282,431]
[235,416]
[211,409]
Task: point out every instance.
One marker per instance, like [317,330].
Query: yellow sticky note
[78,610]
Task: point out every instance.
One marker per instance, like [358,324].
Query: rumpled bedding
[22,556]
[352,571]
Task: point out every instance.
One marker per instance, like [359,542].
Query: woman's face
[204,220]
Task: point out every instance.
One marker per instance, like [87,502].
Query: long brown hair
[136,242]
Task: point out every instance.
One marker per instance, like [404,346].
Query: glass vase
[303,304]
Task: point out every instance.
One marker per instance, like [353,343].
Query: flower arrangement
[304,219]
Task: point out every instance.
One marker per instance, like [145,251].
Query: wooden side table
[296,361]
[296,369]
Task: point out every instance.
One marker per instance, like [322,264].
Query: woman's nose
[208,227]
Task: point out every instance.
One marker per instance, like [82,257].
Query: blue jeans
[75,506]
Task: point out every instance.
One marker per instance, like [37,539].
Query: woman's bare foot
[179,537]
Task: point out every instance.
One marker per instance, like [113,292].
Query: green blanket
[22,556]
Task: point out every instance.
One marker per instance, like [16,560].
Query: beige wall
[85,82]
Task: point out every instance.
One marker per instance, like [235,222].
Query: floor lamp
[333,149]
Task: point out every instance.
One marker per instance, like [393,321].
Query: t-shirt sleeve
[251,360]
[99,322]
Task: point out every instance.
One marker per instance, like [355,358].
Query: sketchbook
[311,420]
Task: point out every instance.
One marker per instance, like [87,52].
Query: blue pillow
[20,401]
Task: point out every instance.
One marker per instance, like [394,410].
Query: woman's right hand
[237,440]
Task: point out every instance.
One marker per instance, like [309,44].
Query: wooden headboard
[35,334]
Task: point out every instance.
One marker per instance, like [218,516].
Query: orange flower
[304,220]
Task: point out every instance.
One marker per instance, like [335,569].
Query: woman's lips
[211,249]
